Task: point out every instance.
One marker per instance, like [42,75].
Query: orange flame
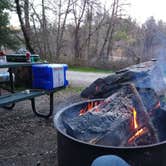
[155,108]
[82,112]
[135,123]
[157,105]
[138,134]
[89,107]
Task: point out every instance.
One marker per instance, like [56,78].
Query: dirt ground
[27,140]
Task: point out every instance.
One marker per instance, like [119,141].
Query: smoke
[158,74]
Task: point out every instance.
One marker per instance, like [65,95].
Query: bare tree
[109,32]
[78,12]
[82,30]
[61,25]
[93,23]
[45,35]
[24,22]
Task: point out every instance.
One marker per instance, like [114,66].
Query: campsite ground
[27,140]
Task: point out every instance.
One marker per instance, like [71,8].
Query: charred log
[109,123]
[142,114]
[144,75]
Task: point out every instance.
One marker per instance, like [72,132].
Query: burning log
[117,121]
[117,136]
[142,114]
[149,98]
[144,75]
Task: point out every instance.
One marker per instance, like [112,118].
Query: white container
[57,75]
[2,59]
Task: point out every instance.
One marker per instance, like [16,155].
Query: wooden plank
[23,95]
[20,96]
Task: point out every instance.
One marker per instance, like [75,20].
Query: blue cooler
[49,76]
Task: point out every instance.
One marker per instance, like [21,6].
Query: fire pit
[79,150]
[129,122]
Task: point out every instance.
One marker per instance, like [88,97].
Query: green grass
[73,89]
[67,89]
[89,69]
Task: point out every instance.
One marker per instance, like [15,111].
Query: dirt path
[81,79]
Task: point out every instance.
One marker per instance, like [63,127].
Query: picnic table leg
[10,106]
[11,79]
[51,95]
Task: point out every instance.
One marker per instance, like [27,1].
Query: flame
[138,134]
[96,103]
[157,105]
[82,112]
[96,109]
[135,123]
[90,107]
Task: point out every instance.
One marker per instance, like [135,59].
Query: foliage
[120,35]
[88,69]
[7,35]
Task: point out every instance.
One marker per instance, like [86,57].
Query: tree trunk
[23,26]
[47,52]
[61,29]
[109,33]
[78,20]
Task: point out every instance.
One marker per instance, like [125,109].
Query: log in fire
[119,120]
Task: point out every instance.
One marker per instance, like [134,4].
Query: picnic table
[8,100]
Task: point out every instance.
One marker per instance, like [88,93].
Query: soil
[27,140]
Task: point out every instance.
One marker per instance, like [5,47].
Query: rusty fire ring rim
[57,126]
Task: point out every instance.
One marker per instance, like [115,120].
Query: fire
[138,134]
[82,112]
[90,107]
[157,105]
[135,123]
[96,109]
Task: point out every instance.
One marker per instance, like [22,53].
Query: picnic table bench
[12,98]
[8,100]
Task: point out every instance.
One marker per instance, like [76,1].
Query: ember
[137,134]
[113,121]
[157,106]
[132,113]
[90,106]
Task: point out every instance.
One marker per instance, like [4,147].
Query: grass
[89,69]
[74,89]
[67,89]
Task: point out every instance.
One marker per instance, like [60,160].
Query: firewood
[109,123]
[142,114]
